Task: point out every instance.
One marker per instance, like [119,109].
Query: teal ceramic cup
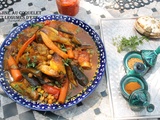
[137,64]
[139,68]
[139,98]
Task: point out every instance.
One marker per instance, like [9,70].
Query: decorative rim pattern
[45,107]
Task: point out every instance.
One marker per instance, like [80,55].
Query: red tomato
[51,90]
[68,7]
[47,22]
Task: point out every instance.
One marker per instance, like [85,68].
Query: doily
[7,3]
[120,4]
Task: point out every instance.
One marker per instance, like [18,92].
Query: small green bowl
[132,78]
[127,57]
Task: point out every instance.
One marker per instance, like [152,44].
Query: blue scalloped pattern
[45,107]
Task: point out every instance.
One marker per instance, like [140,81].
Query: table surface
[96,106]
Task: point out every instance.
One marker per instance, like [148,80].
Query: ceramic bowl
[78,98]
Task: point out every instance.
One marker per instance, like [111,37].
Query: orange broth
[83,37]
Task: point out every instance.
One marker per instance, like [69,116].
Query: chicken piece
[35,53]
[84,59]
[42,49]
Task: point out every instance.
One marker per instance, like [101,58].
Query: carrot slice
[70,52]
[63,92]
[16,74]
[24,46]
[48,42]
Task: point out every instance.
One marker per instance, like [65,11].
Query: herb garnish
[63,48]
[37,24]
[34,87]
[31,64]
[67,62]
[128,44]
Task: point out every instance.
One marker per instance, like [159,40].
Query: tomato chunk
[51,90]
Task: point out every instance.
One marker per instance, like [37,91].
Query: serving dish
[79,97]
[115,69]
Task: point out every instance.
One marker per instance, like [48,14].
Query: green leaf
[128,44]
[63,48]
[37,24]
[67,62]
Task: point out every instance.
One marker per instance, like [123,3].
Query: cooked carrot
[24,46]
[63,92]
[16,74]
[47,22]
[48,42]
[70,52]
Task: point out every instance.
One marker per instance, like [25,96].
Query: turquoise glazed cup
[127,57]
[140,98]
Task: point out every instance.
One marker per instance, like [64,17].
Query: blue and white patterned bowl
[45,107]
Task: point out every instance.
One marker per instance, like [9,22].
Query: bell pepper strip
[48,42]
[16,74]
[63,92]
[24,46]
[51,90]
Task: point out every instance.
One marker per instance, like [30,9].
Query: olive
[139,67]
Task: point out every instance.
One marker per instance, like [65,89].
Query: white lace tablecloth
[96,106]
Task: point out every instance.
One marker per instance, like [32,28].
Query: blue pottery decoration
[150,56]
[139,98]
[132,78]
[139,68]
[34,105]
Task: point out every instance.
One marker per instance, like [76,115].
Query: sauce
[81,35]
[85,39]
[68,7]
[132,86]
